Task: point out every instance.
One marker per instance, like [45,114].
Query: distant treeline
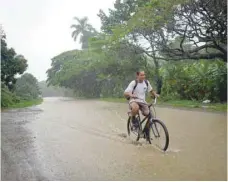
[52,91]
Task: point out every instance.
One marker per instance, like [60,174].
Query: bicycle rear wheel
[158,133]
[132,133]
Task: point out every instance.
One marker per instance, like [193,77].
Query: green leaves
[85,29]
[11,64]
[27,87]
[7,98]
[197,81]
[15,89]
[140,34]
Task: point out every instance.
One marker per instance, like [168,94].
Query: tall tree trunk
[158,78]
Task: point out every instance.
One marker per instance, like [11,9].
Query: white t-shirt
[140,90]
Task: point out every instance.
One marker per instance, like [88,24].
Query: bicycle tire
[129,129]
[157,121]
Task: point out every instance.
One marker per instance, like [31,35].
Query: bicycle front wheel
[158,134]
[132,133]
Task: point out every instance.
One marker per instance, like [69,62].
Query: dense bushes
[26,89]
[146,35]
[15,90]
[8,98]
[195,80]
[187,80]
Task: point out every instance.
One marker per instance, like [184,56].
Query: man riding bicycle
[136,94]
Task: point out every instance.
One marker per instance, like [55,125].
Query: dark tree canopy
[173,41]
[203,24]
[27,87]
[11,64]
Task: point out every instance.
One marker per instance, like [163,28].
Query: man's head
[140,75]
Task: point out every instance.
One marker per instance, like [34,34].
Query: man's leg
[145,111]
[134,108]
[144,108]
[134,111]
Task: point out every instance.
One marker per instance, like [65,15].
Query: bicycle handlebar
[155,101]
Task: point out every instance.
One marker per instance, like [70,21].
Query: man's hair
[138,72]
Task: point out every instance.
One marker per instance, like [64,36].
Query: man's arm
[129,89]
[151,91]
[128,94]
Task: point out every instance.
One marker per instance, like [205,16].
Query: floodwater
[65,139]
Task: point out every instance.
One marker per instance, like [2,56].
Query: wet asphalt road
[64,139]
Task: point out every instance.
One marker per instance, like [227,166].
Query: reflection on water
[87,140]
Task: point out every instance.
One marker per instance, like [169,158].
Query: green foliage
[179,103]
[7,98]
[195,81]
[141,34]
[54,91]
[118,16]
[84,29]
[27,87]
[11,64]
[26,93]
[26,103]
[90,72]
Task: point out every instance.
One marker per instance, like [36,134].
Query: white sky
[40,29]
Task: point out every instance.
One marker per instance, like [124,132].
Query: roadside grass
[180,104]
[24,103]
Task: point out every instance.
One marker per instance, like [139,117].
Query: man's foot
[135,122]
[146,134]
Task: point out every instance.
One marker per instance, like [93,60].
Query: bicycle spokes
[155,130]
[159,134]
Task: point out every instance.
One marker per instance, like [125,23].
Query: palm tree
[85,29]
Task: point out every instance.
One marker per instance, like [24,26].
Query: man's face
[141,76]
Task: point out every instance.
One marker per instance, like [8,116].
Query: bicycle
[150,131]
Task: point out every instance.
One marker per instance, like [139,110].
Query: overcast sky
[40,29]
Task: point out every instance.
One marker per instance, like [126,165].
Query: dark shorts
[142,107]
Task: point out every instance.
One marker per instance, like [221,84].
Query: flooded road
[64,139]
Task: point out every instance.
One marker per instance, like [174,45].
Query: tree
[27,87]
[7,98]
[122,23]
[121,13]
[134,36]
[53,91]
[85,29]
[11,64]
[153,25]
[2,33]
[196,80]
[202,23]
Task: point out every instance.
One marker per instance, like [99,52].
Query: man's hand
[133,95]
[130,95]
[154,94]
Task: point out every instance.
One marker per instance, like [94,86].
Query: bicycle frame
[148,117]
[150,126]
